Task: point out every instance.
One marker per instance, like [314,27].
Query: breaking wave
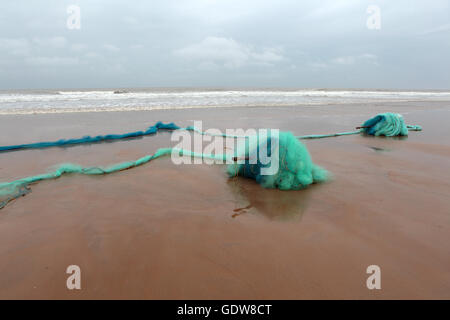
[29,102]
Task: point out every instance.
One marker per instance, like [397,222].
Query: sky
[401,44]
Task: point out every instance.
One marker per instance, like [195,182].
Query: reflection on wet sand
[273,204]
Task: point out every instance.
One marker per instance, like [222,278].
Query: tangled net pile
[389,125]
[295,167]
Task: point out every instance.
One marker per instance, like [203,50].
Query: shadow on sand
[273,204]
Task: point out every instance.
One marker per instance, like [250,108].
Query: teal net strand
[384,124]
[204,133]
[414,128]
[15,189]
[319,136]
[387,124]
[88,139]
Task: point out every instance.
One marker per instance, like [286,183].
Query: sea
[97,100]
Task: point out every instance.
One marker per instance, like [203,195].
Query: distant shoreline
[180,89]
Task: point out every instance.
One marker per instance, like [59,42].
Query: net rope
[387,124]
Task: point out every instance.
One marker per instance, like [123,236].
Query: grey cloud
[18,46]
[228,53]
[111,47]
[442,28]
[52,42]
[51,62]
[284,43]
[350,60]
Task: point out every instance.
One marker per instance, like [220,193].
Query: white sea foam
[107,100]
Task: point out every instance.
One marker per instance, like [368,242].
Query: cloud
[53,42]
[17,47]
[443,28]
[77,47]
[249,43]
[318,65]
[92,55]
[130,20]
[350,60]
[24,47]
[226,52]
[137,46]
[51,61]
[111,48]
[366,58]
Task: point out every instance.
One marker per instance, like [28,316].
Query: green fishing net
[289,167]
[274,161]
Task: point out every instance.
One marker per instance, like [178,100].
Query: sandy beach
[162,231]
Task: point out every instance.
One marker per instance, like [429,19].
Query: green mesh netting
[389,125]
[294,167]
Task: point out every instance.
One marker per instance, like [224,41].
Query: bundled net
[384,124]
[293,169]
[389,125]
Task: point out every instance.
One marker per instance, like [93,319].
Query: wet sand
[163,231]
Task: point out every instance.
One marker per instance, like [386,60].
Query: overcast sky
[223,43]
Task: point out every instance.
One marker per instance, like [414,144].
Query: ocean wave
[106,100]
[50,110]
[88,93]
